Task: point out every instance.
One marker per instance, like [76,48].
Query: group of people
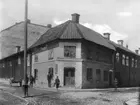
[56,83]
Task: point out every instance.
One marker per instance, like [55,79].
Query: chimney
[137,51]
[120,42]
[107,35]
[49,25]
[75,17]
[17,49]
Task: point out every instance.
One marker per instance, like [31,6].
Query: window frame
[106,78]
[118,57]
[123,59]
[35,58]
[98,74]
[69,48]
[89,74]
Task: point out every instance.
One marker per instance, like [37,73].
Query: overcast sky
[119,17]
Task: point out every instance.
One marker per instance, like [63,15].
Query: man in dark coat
[57,82]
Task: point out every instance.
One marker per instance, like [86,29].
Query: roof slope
[72,30]
[14,36]
[122,47]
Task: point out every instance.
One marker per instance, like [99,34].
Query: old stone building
[12,38]
[80,56]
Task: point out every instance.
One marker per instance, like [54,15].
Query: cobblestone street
[7,99]
[85,98]
[66,97]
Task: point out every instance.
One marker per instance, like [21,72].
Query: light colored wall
[43,64]
[78,72]
[93,83]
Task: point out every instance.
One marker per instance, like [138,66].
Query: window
[10,63]
[105,75]
[3,65]
[117,57]
[127,61]
[36,73]
[123,59]
[36,58]
[98,75]
[70,51]
[132,63]
[50,54]
[19,61]
[89,74]
[136,64]
[56,69]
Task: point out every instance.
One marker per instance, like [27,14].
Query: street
[54,97]
[8,99]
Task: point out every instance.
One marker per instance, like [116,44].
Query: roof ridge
[11,26]
[79,31]
[63,29]
[20,23]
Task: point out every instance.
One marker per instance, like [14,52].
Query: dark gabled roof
[72,30]
[122,47]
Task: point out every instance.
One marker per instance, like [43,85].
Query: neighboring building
[126,64]
[12,38]
[80,56]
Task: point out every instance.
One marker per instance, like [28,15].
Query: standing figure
[31,81]
[25,86]
[57,82]
[49,79]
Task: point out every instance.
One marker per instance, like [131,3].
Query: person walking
[31,81]
[57,82]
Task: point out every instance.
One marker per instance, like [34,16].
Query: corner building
[79,56]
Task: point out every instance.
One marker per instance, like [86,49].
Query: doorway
[69,76]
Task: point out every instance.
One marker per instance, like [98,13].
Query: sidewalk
[70,89]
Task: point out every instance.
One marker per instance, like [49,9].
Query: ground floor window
[89,74]
[36,73]
[105,75]
[98,75]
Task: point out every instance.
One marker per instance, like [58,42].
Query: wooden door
[69,76]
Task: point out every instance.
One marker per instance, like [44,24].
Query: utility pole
[25,48]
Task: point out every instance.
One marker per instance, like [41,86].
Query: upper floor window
[136,63]
[19,60]
[10,63]
[132,62]
[36,58]
[89,74]
[127,61]
[123,59]
[117,57]
[50,54]
[70,51]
